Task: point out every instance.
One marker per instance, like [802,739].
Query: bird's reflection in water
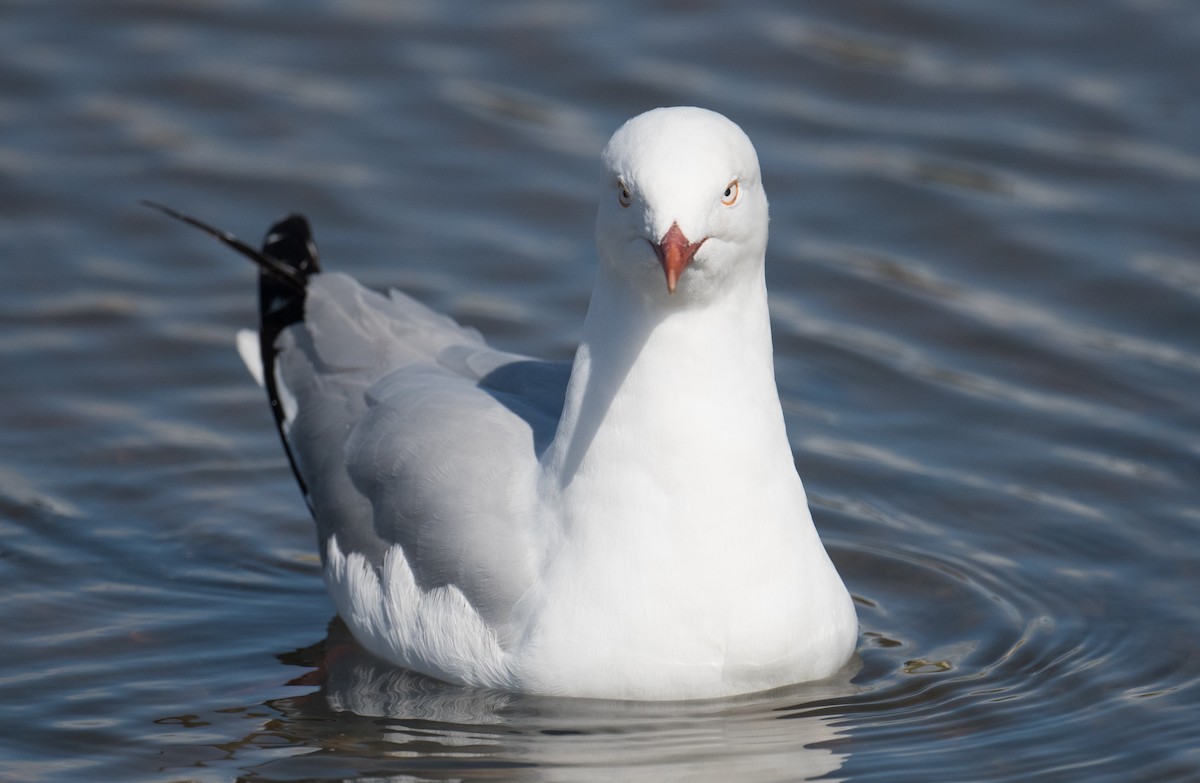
[369,718]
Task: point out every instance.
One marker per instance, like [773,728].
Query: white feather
[247,348]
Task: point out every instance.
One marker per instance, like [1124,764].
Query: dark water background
[985,270]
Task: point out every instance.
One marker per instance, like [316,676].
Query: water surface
[985,286]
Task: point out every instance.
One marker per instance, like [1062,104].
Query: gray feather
[388,392]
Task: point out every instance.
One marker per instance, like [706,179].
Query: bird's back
[418,445]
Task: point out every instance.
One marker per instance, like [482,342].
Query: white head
[681,197]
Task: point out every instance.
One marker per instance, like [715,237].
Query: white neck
[681,540]
[678,403]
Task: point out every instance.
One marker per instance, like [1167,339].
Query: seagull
[629,525]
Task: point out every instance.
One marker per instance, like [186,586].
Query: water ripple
[984,280]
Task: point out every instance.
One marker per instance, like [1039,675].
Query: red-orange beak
[675,252]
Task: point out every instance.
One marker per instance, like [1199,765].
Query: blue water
[985,277]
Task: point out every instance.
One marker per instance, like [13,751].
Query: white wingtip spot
[247,347]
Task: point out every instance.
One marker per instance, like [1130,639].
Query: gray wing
[408,430]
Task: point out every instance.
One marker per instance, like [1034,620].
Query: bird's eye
[623,194]
[731,194]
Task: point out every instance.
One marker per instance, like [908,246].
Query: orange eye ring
[730,196]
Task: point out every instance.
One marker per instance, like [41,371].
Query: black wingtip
[268,263]
[290,243]
[287,259]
